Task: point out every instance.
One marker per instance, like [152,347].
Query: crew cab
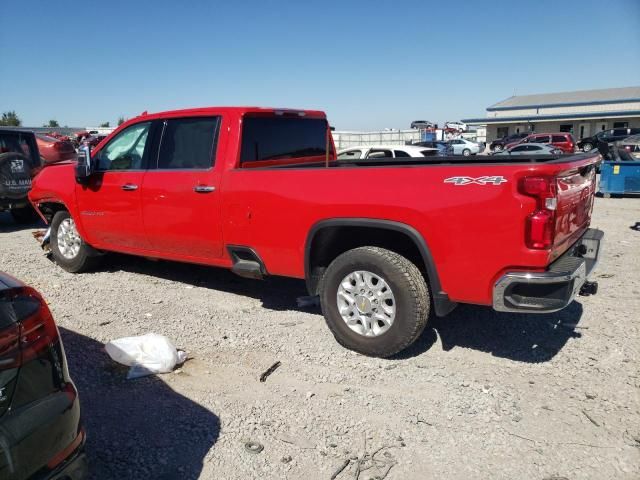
[383,242]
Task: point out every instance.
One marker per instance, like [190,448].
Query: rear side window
[400,153]
[279,138]
[350,155]
[20,143]
[559,139]
[188,143]
[541,139]
[379,154]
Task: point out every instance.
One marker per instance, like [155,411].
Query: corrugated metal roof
[551,118]
[581,97]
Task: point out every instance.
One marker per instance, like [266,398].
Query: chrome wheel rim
[366,303]
[69,242]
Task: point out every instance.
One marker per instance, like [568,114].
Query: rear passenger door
[180,201]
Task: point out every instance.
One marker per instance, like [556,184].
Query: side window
[188,143]
[374,153]
[272,139]
[520,148]
[350,155]
[400,153]
[558,139]
[542,139]
[126,150]
[535,148]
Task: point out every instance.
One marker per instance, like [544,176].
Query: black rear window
[22,143]
[277,138]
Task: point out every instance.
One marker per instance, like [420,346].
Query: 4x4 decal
[495,180]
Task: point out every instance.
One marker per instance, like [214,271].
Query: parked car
[563,141]
[631,144]
[499,144]
[386,151]
[531,149]
[41,435]
[461,127]
[19,162]
[609,136]
[54,150]
[443,147]
[462,146]
[382,244]
[421,124]
[93,140]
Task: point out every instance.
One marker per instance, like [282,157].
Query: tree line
[11,119]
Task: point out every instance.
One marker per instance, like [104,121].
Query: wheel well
[49,209]
[331,241]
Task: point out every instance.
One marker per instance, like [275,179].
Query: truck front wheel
[375,301]
[69,250]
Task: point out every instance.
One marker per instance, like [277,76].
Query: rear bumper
[554,289]
[74,468]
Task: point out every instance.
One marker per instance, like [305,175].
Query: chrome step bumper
[553,290]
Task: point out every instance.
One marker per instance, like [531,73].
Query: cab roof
[228,110]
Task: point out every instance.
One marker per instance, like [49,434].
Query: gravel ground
[480,395]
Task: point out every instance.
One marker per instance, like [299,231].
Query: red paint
[54,149]
[475,232]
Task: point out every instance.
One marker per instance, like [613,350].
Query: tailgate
[575,195]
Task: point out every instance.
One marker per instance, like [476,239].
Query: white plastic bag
[145,354]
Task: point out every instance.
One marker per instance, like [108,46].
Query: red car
[54,150]
[382,242]
[562,141]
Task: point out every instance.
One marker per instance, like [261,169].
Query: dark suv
[19,162]
[499,144]
[41,436]
[608,136]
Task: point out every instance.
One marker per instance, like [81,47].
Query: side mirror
[84,165]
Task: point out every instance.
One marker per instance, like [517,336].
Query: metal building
[582,113]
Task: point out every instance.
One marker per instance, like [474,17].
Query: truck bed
[445,160]
[427,161]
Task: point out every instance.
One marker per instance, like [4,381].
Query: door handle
[129,187]
[204,189]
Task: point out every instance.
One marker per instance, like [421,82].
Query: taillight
[32,330]
[540,225]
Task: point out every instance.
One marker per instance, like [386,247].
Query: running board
[246,262]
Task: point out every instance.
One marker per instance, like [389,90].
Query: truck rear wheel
[69,250]
[375,301]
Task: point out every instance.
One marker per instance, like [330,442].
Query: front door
[180,197]
[109,203]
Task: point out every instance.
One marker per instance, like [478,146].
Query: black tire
[25,215]
[409,289]
[87,257]
[587,147]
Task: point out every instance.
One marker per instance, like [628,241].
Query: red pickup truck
[384,243]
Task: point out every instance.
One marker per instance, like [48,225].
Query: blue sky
[368,64]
